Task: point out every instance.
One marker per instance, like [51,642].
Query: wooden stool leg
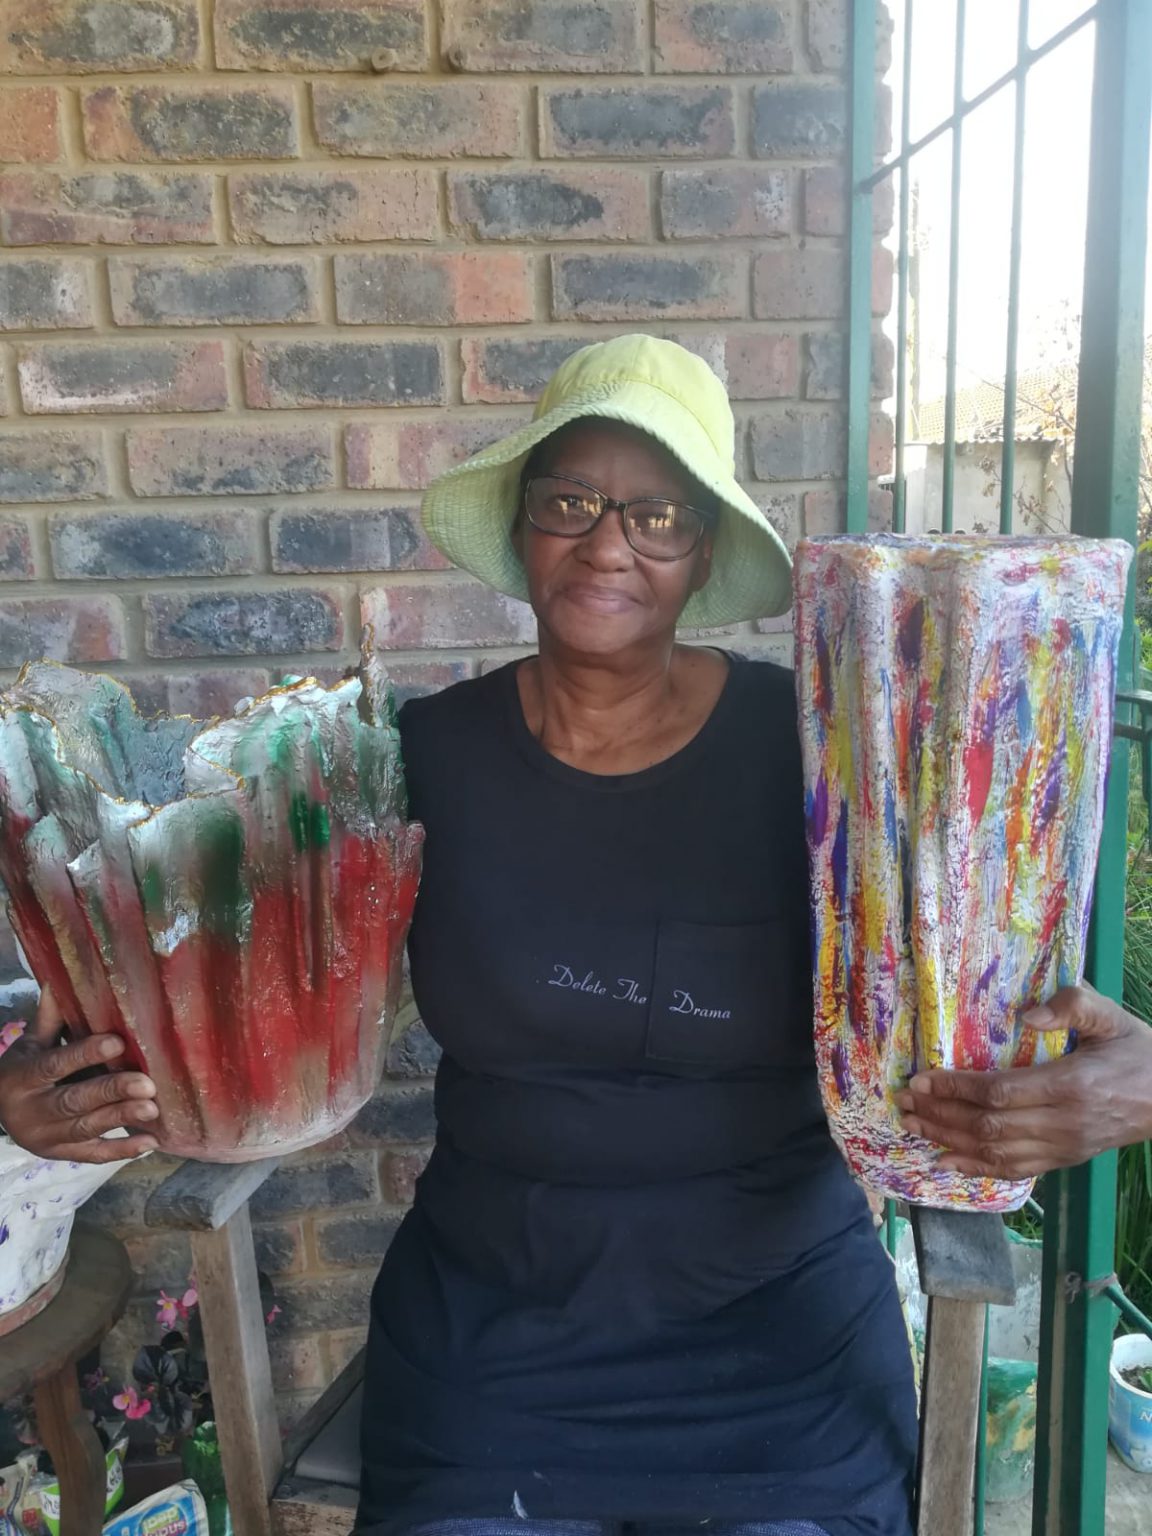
[238,1370]
[954,1347]
[76,1452]
[965,1262]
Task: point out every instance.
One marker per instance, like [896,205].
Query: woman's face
[595,594]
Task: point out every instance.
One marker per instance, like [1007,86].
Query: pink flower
[273,1315]
[171,1310]
[167,1311]
[131,1404]
[10,1034]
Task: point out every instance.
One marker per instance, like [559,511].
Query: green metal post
[1079,1208]
[980,1493]
[1075,1339]
[1008,437]
[860,266]
[1128,1310]
[899,483]
[949,476]
[890,1226]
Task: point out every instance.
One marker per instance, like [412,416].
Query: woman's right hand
[53,1118]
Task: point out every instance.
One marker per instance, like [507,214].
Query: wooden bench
[307,1484]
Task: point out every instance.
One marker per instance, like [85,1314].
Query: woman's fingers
[78,1099]
[116,1149]
[55,1117]
[1021,1122]
[132,1087]
[1017,1088]
[1028,1120]
[978,1132]
[1083,1009]
[122,1114]
[47,1022]
[1012,1160]
[921,1110]
[53,1066]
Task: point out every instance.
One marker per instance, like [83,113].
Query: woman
[637,1285]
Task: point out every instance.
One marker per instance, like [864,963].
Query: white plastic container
[1130,1409]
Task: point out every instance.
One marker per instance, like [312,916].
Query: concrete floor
[1129,1511]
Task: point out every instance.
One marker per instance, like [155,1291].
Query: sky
[1058,100]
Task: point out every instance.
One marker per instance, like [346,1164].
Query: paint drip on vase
[231,897]
[956,697]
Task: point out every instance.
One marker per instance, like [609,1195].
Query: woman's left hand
[1028,1120]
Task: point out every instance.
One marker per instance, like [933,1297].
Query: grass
[1140,1377]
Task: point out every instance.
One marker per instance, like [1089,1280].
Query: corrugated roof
[1043,397]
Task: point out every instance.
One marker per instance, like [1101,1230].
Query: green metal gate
[1079,1227]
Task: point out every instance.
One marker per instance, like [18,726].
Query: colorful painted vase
[232,897]
[956,699]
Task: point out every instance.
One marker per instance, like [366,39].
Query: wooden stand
[210,1202]
[965,1264]
[41,1357]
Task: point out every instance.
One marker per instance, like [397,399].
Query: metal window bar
[949,481]
[899,482]
[860,262]
[1015,249]
[1080,1227]
[1034,55]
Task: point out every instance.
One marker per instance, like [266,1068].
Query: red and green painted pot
[232,896]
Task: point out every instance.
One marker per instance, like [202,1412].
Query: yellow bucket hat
[673,396]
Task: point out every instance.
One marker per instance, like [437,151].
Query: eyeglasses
[656,528]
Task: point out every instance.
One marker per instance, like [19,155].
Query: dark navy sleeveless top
[637,1281]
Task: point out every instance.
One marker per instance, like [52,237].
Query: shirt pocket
[725,997]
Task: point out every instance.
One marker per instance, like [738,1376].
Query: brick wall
[267,267]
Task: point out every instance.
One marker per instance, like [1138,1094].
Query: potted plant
[168,1406]
[164,1414]
[1130,1401]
